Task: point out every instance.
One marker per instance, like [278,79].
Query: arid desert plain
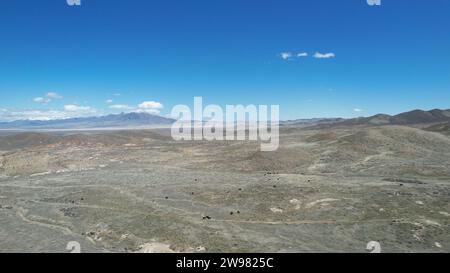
[326,189]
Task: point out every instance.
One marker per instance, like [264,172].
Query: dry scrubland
[324,190]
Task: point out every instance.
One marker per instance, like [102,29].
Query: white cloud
[303,54]
[286,55]
[47,98]
[54,95]
[7,115]
[109,101]
[12,115]
[151,105]
[41,100]
[357,110]
[73,111]
[120,107]
[77,108]
[319,55]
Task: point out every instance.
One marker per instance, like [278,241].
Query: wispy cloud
[48,98]
[12,115]
[357,110]
[109,101]
[319,55]
[120,107]
[79,109]
[41,100]
[53,95]
[286,55]
[8,115]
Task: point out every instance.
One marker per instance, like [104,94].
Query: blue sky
[112,56]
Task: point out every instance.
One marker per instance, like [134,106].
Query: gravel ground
[322,191]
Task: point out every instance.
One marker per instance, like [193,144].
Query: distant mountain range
[407,118]
[128,120]
[110,121]
[312,121]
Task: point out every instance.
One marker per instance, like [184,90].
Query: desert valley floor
[324,190]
